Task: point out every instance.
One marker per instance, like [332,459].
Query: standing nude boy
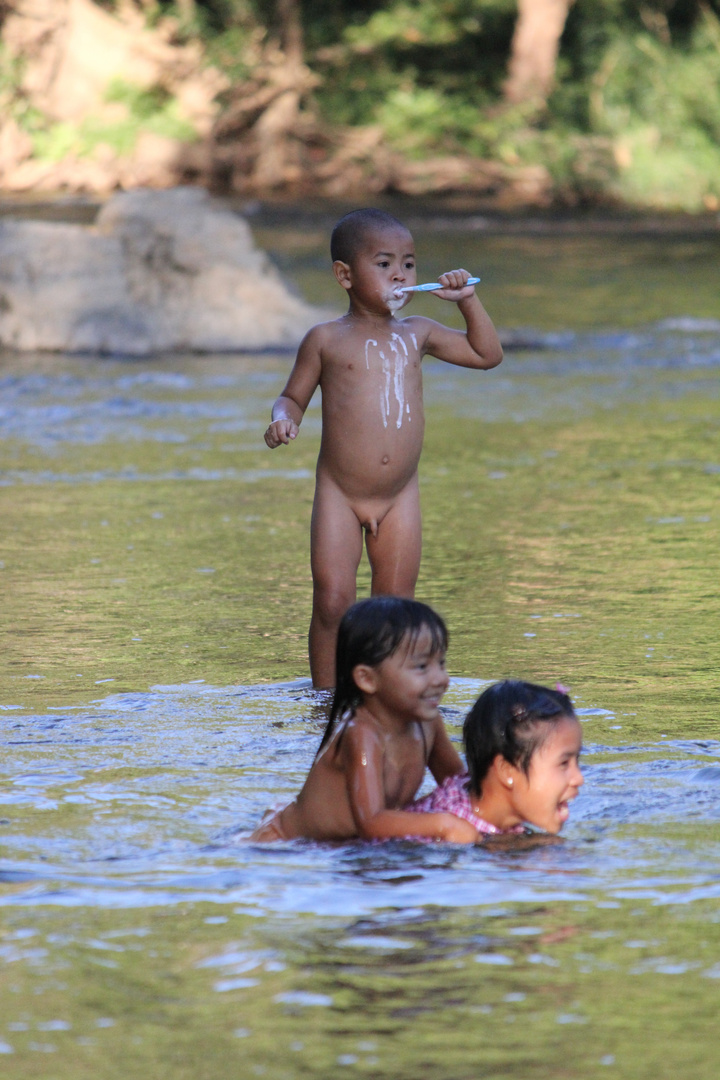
[367,364]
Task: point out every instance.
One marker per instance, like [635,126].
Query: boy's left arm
[476,347]
[443,760]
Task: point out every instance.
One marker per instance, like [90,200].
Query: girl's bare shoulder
[350,735]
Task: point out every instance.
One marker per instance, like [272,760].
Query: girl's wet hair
[370,632]
[349,234]
[511,718]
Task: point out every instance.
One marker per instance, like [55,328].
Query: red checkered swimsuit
[453,797]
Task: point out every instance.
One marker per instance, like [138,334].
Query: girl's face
[554,779]
[412,681]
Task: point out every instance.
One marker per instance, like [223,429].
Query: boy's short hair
[349,234]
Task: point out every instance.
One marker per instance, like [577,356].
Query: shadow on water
[153,703]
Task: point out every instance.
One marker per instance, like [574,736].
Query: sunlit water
[154,700]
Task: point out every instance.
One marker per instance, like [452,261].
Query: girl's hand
[455,830]
[454,288]
[281,431]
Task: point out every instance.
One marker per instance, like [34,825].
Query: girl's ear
[341,270]
[506,772]
[365,678]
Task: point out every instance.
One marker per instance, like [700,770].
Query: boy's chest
[369,355]
[380,377]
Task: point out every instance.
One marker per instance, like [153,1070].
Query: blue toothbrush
[433,285]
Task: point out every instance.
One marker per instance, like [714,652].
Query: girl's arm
[447,827]
[363,768]
[444,759]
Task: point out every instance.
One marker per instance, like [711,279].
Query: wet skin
[541,797]
[375,759]
[368,365]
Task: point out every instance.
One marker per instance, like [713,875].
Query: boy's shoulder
[324,338]
[324,332]
[418,321]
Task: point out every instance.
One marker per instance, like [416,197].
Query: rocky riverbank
[158,271]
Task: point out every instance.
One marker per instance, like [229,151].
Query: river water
[154,696]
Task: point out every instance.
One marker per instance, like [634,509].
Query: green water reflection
[581,278]
[621,989]
[579,544]
[571,532]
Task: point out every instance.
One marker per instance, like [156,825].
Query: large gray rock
[159,271]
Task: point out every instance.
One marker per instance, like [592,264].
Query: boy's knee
[330,604]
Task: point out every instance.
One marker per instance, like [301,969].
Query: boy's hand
[281,431]
[455,288]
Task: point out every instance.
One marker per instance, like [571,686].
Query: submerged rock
[159,271]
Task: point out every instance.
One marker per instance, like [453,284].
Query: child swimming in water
[384,729]
[523,745]
[368,365]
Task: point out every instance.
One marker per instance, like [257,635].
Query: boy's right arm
[290,406]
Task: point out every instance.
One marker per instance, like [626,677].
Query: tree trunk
[277,152]
[534,50]
[291,31]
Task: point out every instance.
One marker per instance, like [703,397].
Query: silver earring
[510,783]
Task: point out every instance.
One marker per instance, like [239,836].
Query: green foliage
[143,103]
[634,114]
[10,75]
[13,102]
[409,61]
[146,109]
[415,120]
[229,30]
[662,106]
[406,24]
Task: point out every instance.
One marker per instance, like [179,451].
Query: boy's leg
[394,553]
[335,553]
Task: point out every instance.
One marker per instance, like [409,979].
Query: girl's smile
[411,682]
[553,780]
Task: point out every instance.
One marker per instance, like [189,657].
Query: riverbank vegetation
[542,102]
[604,99]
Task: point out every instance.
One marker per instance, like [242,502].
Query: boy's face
[384,263]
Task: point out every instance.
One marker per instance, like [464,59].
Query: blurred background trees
[542,101]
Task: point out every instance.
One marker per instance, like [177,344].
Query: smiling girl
[384,729]
[523,745]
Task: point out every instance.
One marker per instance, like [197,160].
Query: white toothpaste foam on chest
[393,370]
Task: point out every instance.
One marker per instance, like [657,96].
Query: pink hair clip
[562,689]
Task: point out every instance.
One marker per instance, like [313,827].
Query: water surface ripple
[155,594]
